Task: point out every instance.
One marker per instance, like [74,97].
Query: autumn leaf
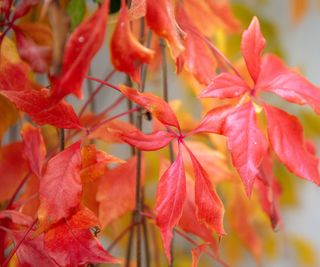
[127,54]
[116,191]
[94,163]
[286,137]
[147,142]
[247,144]
[34,148]
[38,57]
[160,18]
[81,47]
[156,105]
[13,169]
[197,58]
[12,115]
[70,242]
[171,194]
[60,187]
[209,207]
[41,109]
[252,45]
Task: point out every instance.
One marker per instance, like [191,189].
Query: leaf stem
[120,236]
[103,83]
[24,180]
[95,92]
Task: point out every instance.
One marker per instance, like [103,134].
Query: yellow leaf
[305,252]
[9,115]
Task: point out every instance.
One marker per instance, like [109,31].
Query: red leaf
[16,217]
[225,85]
[116,191]
[252,45]
[60,187]
[214,120]
[286,137]
[13,169]
[127,54]
[36,55]
[269,191]
[147,142]
[209,207]
[39,107]
[280,80]
[246,143]
[83,44]
[160,18]
[70,243]
[171,194]
[94,163]
[197,57]
[156,105]
[34,148]
[189,222]
[24,8]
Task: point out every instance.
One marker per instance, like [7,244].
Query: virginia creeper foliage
[66,200]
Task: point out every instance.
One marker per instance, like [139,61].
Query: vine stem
[112,118]
[103,82]
[95,92]
[14,250]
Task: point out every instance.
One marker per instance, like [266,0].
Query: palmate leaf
[171,194]
[60,187]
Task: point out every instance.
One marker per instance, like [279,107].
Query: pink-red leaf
[24,8]
[41,110]
[171,194]
[286,137]
[83,44]
[225,85]
[156,105]
[280,80]
[252,45]
[60,187]
[70,242]
[34,148]
[147,142]
[127,54]
[247,144]
[214,120]
[209,206]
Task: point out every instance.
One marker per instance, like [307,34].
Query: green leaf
[76,10]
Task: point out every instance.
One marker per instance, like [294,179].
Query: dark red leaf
[23,8]
[286,137]
[171,194]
